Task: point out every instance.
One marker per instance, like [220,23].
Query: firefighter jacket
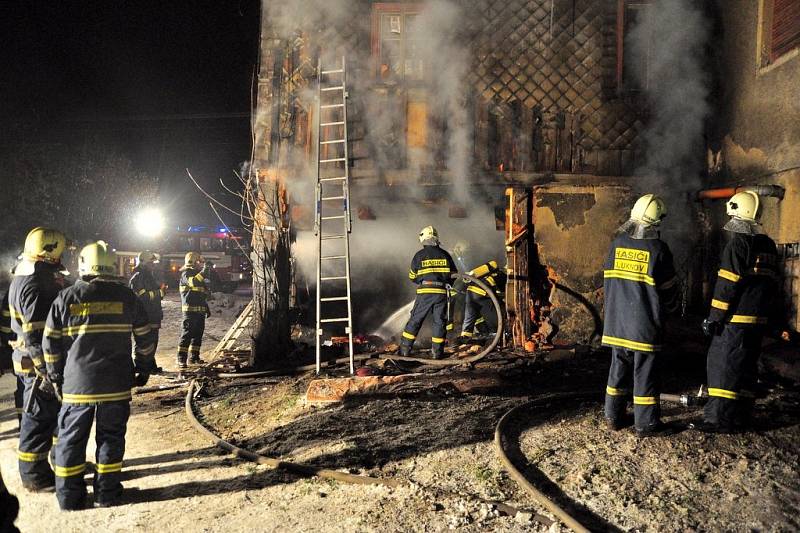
[491,276]
[145,286]
[29,299]
[87,341]
[432,269]
[747,288]
[194,290]
[640,288]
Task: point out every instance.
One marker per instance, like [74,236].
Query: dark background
[165,84]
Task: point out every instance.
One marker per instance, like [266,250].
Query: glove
[711,328]
[140,379]
[57,392]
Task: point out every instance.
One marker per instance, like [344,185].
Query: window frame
[765,58]
[380,9]
[620,70]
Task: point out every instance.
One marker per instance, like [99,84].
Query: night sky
[167,83]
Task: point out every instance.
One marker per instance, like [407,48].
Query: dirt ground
[440,444]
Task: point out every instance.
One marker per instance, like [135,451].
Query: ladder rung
[337,88]
[330,237]
[332,198]
[337,141]
[329,106]
[338,123]
[331,278]
[334,299]
[324,257]
[334,160]
[333,179]
[332,71]
[332,218]
[335,320]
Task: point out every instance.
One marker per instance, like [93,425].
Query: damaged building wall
[540,92]
[758,136]
[573,228]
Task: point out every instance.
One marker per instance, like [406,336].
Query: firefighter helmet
[428,233]
[192,259]
[745,205]
[44,244]
[97,259]
[649,210]
[146,257]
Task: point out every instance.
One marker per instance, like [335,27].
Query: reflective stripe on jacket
[194,291]
[29,300]
[640,287]
[748,282]
[145,286]
[87,341]
[432,268]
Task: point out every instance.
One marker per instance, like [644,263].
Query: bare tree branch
[211,198]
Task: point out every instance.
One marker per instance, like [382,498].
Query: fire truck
[227,248]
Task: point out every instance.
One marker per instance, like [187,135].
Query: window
[633,66]
[779,30]
[395,42]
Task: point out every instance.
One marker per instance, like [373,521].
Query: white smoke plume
[670,39]
[381,249]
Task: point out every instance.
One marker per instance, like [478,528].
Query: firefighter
[743,306]
[431,270]
[87,340]
[150,292]
[478,309]
[194,303]
[36,283]
[6,337]
[640,287]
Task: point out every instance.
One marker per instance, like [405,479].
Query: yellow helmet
[649,210]
[192,259]
[146,257]
[44,244]
[744,205]
[97,259]
[428,233]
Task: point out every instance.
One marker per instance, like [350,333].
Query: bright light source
[149,222]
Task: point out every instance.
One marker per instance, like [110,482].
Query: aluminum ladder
[332,222]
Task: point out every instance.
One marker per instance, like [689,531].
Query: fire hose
[568,520]
[297,468]
[498,334]
[308,470]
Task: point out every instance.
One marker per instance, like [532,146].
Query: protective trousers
[75,424]
[194,324]
[37,432]
[436,305]
[732,369]
[478,311]
[643,367]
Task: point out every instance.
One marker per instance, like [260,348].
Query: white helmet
[649,210]
[744,205]
[429,233]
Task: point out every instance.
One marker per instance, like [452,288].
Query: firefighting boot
[437,352]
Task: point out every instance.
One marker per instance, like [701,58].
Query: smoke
[437,66]
[667,45]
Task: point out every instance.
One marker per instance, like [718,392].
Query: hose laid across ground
[297,468]
[426,360]
[537,495]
